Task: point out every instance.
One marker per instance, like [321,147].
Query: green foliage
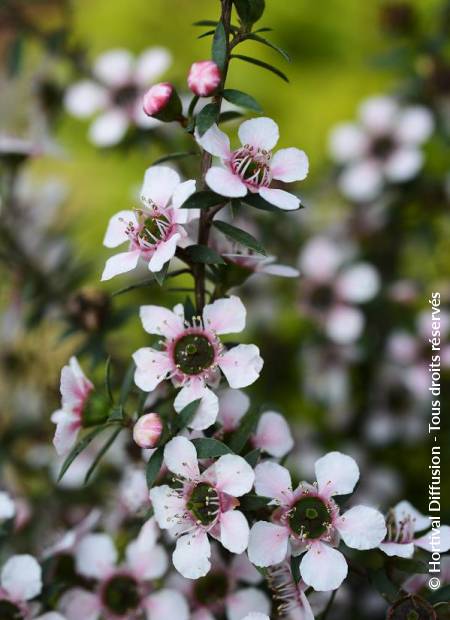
[203,254]
[250,11]
[262,64]
[210,448]
[207,117]
[241,236]
[241,99]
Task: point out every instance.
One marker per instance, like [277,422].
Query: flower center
[9,611]
[322,297]
[125,96]
[309,517]
[203,503]
[121,594]
[211,589]
[382,147]
[193,354]
[252,165]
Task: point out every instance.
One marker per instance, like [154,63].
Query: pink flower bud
[147,430]
[204,77]
[157,98]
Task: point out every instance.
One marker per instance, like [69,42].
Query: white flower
[7,507]
[383,147]
[252,168]
[202,504]
[310,520]
[153,231]
[115,94]
[191,355]
[20,581]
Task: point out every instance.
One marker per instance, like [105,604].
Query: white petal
[120,263]
[401,550]
[207,409]
[289,165]
[261,133]
[243,570]
[180,195]
[246,600]
[78,603]
[435,542]
[21,577]
[359,283]
[225,316]
[163,253]
[234,531]
[95,555]
[114,67]
[52,615]
[347,142]
[151,368]
[323,568]
[241,365]
[233,475]
[147,559]
[336,474]
[160,182]
[215,142]
[115,233]
[279,198]
[7,507]
[68,425]
[191,555]
[403,164]
[273,480]
[109,128]
[284,271]
[362,527]
[85,98]
[344,324]
[320,259]
[151,64]
[165,605]
[406,511]
[180,456]
[233,405]
[224,182]
[415,125]
[379,114]
[166,506]
[362,181]
[256,616]
[161,321]
[268,544]
[273,435]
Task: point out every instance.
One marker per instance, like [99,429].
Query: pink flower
[252,168]
[122,592]
[154,231]
[20,581]
[157,97]
[289,595]
[147,430]
[202,504]
[75,391]
[191,355]
[310,520]
[404,522]
[204,77]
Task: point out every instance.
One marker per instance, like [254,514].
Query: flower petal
[361,181]
[233,405]
[336,474]
[109,128]
[243,570]
[289,165]
[261,133]
[344,324]
[166,604]
[323,568]
[114,67]
[241,365]
[273,435]
[434,541]
[362,527]
[180,195]
[180,457]
[21,577]
[167,506]
[68,425]
[379,114]
[120,263]
[7,507]
[224,182]
[347,142]
[234,531]
[192,553]
[207,409]
[225,316]
[403,164]
[404,510]
[415,125]
[234,475]
[95,555]
[273,480]
[283,271]
[401,550]
[268,544]
[85,98]
[359,283]
[78,603]
[115,233]
[161,321]
[279,198]
[246,600]
[160,182]
[215,142]
[164,252]
[152,63]
[151,368]
[147,559]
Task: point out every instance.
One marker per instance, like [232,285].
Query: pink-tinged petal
[163,253]
[202,614]
[273,435]
[279,198]
[401,550]
[77,603]
[256,616]
[180,457]
[359,283]
[160,182]
[109,128]
[120,263]
[261,133]
[403,164]
[435,541]
[51,615]
[289,165]
[347,142]
[161,321]
[336,474]
[320,259]
[323,568]
[215,142]
[167,506]
[85,98]
[241,365]
[207,409]
[114,67]
[304,612]
[180,195]
[379,114]
[273,480]
[151,368]
[68,425]
[406,511]
[234,475]
[95,556]
[245,601]
[242,569]
[233,405]
[224,182]
[361,181]
[283,271]
[151,64]
[362,527]
[344,324]
[415,125]
[268,544]
[74,385]
[225,316]
[147,559]
[115,233]
[191,555]
[21,577]
[165,605]
[234,531]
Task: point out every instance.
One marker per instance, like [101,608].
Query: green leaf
[253,502]
[108,380]
[203,254]
[410,566]
[210,448]
[250,11]
[229,115]
[208,33]
[127,383]
[207,117]
[103,450]
[262,64]
[185,416]
[220,46]
[189,310]
[174,156]
[154,466]
[80,446]
[241,99]
[205,22]
[280,50]
[383,584]
[240,436]
[131,287]
[256,201]
[253,457]
[203,200]
[242,237]
[160,276]
[295,568]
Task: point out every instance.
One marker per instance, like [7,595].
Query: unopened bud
[147,430]
[161,101]
[204,78]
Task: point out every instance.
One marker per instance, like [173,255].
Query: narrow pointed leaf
[263,41]
[241,435]
[203,254]
[160,276]
[207,117]
[241,99]
[127,383]
[208,33]
[154,466]
[252,457]
[262,64]
[229,115]
[220,46]
[185,416]
[242,237]
[203,200]
[108,380]
[174,156]
[251,501]
[103,450]
[80,446]
[210,448]
[256,201]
